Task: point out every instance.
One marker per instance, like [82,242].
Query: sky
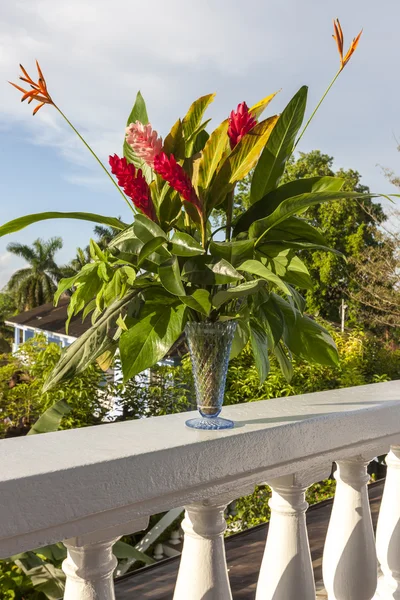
[96,55]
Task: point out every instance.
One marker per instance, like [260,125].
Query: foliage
[22,400]
[160,272]
[351,227]
[35,285]
[7,309]
[376,276]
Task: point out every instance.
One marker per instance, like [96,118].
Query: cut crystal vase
[210,347]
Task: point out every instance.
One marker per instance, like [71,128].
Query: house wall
[22,333]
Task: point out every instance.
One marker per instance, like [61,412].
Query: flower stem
[96,157]
[203,226]
[317,107]
[229,213]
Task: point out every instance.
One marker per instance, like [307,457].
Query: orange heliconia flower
[338,36]
[38,92]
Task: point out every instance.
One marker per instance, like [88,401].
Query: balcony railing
[88,487]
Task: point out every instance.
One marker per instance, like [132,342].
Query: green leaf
[306,338]
[259,346]
[174,143]
[194,116]
[239,291]
[239,162]
[272,320]
[184,244]
[150,338]
[170,276]
[297,204]
[200,301]
[233,252]
[89,346]
[150,247]
[212,154]
[284,362]
[295,229]
[205,270]
[51,419]
[279,147]
[289,266]
[145,229]
[255,267]
[138,113]
[271,201]
[122,551]
[22,222]
[241,337]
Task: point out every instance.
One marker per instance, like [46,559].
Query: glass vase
[210,347]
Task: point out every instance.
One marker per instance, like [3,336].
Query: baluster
[286,570]
[203,573]
[388,531]
[90,562]
[349,562]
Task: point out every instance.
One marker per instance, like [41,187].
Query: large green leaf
[271,318]
[279,147]
[297,205]
[183,244]
[255,267]
[241,337]
[259,346]
[239,291]
[234,252]
[22,222]
[239,162]
[170,277]
[271,201]
[295,229]
[212,153]
[151,337]
[123,551]
[205,270]
[284,362]
[149,247]
[90,345]
[200,301]
[305,337]
[51,419]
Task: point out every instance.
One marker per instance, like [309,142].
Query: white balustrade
[349,564]
[286,571]
[91,486]
[202,571]
[388,531]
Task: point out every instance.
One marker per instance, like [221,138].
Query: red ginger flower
[134,184]
[178,179]
[240,123]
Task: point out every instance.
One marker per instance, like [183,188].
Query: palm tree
[35,284]
[105,234]
[81,259]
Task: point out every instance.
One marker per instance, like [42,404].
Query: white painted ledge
[59,485]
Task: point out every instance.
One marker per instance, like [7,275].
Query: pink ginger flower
[134,185]
[178,179]
[240,123]
[144,141]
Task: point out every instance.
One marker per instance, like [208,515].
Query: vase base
[210,423]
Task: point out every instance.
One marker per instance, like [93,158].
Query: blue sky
[96,55]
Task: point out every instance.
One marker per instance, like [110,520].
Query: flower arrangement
[169,266]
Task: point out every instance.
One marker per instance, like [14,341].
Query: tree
[7,308]
[104,234]
[35,285]
[82,258]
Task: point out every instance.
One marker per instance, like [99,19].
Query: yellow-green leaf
[195,113]
[213,151]
[257,109]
